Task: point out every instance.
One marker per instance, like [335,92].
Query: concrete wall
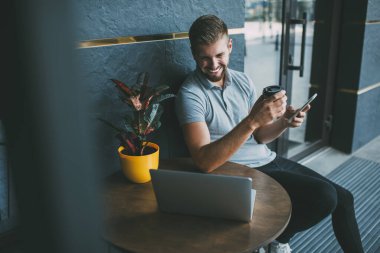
[167,62]
[357,110]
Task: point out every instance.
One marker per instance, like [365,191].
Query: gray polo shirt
[198,100]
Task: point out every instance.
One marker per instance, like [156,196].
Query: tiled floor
[327,159]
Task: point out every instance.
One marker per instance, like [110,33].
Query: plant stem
[143,147]
[139,129]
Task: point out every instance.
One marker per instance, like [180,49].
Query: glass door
[263,36]
[300,24]
[279,38]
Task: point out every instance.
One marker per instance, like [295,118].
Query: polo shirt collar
[209,85]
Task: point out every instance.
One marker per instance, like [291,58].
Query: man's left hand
[298,119]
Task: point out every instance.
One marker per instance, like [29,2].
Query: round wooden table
[134,223]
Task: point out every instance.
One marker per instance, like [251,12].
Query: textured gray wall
[168,62]
[108,19]
[373,10]
[357,116]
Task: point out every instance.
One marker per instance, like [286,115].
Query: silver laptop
[210,195]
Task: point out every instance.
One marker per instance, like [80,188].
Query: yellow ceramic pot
[136,168]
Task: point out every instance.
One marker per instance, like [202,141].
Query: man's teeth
[214,70]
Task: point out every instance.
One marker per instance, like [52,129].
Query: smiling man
[223,120]
[212,61]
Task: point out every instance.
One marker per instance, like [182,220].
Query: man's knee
[329,199]
[319,199]
[345,197]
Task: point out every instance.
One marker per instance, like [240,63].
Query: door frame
[326,88]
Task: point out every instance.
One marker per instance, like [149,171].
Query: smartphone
[303,107]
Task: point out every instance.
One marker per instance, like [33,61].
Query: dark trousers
[313,198]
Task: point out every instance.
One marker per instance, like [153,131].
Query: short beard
[215,78]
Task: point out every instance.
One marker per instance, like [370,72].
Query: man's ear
[229,45]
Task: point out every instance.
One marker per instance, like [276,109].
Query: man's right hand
[266,110]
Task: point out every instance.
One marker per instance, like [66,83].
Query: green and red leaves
[145,102]
[123,87]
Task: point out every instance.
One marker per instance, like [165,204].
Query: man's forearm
[268,133]
[215,154]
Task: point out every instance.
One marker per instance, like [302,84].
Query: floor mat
[362,178]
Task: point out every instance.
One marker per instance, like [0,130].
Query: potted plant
[137,154]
